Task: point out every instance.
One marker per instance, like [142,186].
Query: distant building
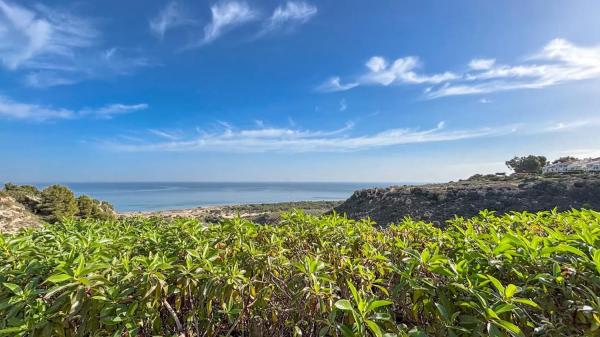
[583,165]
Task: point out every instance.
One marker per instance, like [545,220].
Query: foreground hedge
[516,275]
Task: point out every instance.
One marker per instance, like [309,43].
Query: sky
[364,91]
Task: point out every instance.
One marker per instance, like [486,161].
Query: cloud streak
[225,17]
[171,16]
[267,139]
[34,112]
[286,17]
[51,47]
[560,61]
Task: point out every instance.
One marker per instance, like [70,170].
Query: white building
[583,165]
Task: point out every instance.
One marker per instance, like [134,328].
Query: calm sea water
[177,195]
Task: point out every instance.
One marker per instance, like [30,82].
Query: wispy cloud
[27,111]
[54,47]
[382,72]
[334,84]
[29,37]
[111,110]
[171,16]
[286,17]
[170,135]
[560,61]
[482,64]
[402,70]
[343,105]
[568,126]
[17,110]
[270,139]
[227,15]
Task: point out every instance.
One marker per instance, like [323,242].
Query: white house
[583,165]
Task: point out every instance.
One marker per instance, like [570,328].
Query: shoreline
[261,212]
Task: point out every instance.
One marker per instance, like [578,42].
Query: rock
[14,216]
[467,197]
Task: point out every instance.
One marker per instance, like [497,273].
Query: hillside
[439,202]
[13,215]
[26,206]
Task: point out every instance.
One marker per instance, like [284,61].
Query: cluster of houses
[573,166]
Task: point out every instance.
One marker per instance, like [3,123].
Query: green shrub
[27,195]
[529,164]
[57,202]
[520,274]
[86,207]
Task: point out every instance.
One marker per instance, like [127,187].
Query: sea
[155,196]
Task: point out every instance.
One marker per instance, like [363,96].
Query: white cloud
[35,112]
[560,61]
[171,16]
[290,15]
[17,110]
[165,134]
[297,140]
[225,16]
[334,84]
[32,36]
[53,47]
[570,125]
[481,64]
[343,105]
[402,70]
[485,101]
[111,110]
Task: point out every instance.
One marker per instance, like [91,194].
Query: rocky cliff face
[440,202]
[13,215]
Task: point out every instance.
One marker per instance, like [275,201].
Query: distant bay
[154,196]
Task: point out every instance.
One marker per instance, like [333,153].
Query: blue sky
[293,91]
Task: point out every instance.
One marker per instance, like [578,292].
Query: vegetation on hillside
[56,202]
[520,274]
[528,164]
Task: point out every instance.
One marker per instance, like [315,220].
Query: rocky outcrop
[440,202]
[14,216]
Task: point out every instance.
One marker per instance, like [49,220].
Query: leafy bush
[529,164]
[57,202]
[27,195]
[93,209]
[520,274]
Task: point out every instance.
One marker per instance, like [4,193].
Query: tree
[86,207]
[565,160]
[93,209]
[57,202]
[529,164]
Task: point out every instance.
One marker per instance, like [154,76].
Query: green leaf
[344,305]
[11,331]
[510,290]
[354,292]
[58,278]
[14,288]
[377,304]
[527,302]
[443,312]
[510,327]
[493,331]
[496,284]
[346,331]
[491,313]
[374,327]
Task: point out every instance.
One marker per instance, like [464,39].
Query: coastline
[261,212]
